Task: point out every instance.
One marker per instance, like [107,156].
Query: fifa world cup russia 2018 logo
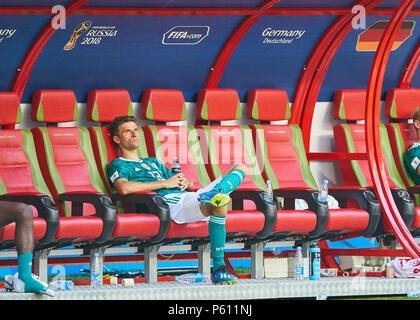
[80,29]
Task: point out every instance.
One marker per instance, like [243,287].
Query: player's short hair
[114,127]
[416,114]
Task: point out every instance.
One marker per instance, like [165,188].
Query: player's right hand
[174,181]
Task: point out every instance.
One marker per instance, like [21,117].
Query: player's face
[128,138]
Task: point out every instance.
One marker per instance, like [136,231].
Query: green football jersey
[144,170]
[412,162]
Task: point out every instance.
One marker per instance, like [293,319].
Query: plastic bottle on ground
[299,269]
[193,278]
[322,296]
[61,285]
[95,272]
[314,262]
[414,294]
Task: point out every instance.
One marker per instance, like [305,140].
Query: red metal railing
[373,146]
[233,41]
[312,76]
[35,50]
[197,11]
[309,83]
[410,69]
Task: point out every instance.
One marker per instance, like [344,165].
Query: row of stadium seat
[396,137]
[68,165]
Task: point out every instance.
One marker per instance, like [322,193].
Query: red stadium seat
[399,107]
[68,163]
[166,142]
[104,106]
[61,153]
[284,162]
[20,177]
[174,232]
[349,106]
[229,144]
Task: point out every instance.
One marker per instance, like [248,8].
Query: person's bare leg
[218,196]
[236,166]
[208,210]
[22,215]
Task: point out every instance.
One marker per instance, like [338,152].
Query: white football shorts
[184,207]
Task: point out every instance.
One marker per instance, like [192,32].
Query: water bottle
[193,278]
[176,167]
[414,294]
[314,262]
[268,192]
[95,272]
[322,296]
[299,264]
[323,191]
[61,285]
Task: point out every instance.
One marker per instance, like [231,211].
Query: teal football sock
[25,274]
[217,234]
[230,182]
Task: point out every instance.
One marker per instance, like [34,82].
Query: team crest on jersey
[145,166]
[114,176]
[415,163]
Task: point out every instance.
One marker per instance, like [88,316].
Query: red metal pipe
[336,156]
[310,68]
[410,69]
[311,79]
[36,48]
[328,260]
[380,182]
[25,10]
[363,252]
[166,11]
[315,86]
[329,42]
[198,11]
[231,44]
[376,161]
[333,11]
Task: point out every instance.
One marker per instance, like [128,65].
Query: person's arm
[183,184]
[412,163]
[119,178]
[124,187]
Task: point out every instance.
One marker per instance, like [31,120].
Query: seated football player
[412,156]
[129,174]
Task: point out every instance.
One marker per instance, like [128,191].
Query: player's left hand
[185,184]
